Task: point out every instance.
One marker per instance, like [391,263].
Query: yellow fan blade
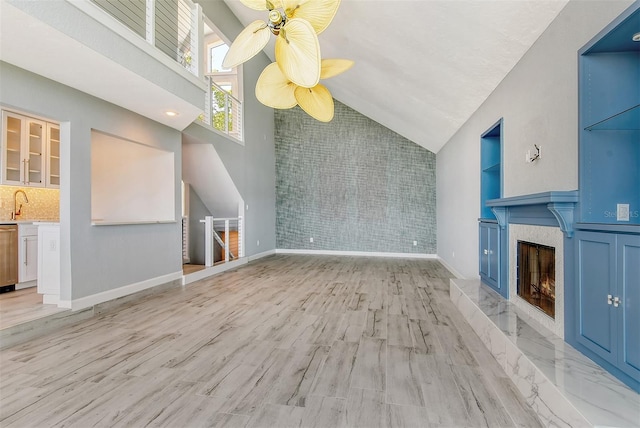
[333,67]
[298,53]
[273,89]
[248,43]
[262,4]
[319,13]
[316,101]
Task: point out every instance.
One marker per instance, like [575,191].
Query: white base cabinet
[49,262]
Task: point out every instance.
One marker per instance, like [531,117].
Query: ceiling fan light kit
[294,78]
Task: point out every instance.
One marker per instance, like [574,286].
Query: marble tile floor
[288,340]
[561,384]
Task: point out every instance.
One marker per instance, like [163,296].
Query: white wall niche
[131,182]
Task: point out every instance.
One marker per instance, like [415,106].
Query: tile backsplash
[44,204]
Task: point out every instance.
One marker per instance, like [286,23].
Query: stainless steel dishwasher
[8,257]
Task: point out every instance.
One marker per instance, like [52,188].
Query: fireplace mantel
[546,209]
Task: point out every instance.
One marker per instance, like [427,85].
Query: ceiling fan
[294,78]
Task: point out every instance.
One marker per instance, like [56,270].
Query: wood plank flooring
[20,306]
[289,340]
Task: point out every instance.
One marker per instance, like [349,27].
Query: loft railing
[172,26]
[222,110]
[231,230]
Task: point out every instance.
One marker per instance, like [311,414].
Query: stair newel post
[226,240]
[208,241]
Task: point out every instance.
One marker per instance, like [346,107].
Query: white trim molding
[261,255]
[105,296]
[457,274]
[213,270]
[359,254]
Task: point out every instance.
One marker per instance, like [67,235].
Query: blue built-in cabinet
[606,311]
[608,301]
[490,168]
[610,126]
[490,253]
[491,237]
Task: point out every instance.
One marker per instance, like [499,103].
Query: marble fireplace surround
[541,218]
[551,237]
[564,387]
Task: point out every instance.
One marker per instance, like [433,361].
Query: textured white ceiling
[422,67]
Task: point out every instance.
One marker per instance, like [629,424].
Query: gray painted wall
[197,211]
[539,103]
[68,19]
[252,165]
[352,185]
[95,259]
[98,259]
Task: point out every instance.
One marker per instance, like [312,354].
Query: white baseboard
[105,296]
[28,284]
[213,270]
[52,299]
[261,255]
[358,254]
[450,268]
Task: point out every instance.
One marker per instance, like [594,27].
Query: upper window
[225,110]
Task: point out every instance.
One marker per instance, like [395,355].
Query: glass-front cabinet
[26,143]
[53,158]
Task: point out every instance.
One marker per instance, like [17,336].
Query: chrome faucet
[17,210]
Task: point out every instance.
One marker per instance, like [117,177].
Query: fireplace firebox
[536,276]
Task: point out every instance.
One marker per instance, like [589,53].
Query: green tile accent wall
[352,185]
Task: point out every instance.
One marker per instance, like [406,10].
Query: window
[225,105]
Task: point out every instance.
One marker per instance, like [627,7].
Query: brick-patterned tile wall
[352,185]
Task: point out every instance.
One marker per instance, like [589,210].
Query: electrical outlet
[622,212]
[258,243]
[453,254]
[311,240]
[415,243]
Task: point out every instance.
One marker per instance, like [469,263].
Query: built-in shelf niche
[490,168]
[610,126]
[131,183]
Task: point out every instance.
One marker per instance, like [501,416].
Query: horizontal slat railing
[223,111]
[172,26]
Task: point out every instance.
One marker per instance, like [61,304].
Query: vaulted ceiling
[423,67]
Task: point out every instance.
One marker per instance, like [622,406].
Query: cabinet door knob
[486,251]
[616,302]
[609,299]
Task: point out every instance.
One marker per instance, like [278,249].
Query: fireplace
[541,237]
[536,276]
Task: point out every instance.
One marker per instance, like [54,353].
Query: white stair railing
[211,236]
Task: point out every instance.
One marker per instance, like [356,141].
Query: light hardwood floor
[283,341]
[20,306]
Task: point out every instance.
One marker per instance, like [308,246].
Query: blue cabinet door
[494,254]
[490,256]
[484,250]
[595,271]
[628,252]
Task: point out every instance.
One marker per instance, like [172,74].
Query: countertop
[29,221]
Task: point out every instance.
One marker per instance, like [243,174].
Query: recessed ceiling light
[636,37]
[171,113]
